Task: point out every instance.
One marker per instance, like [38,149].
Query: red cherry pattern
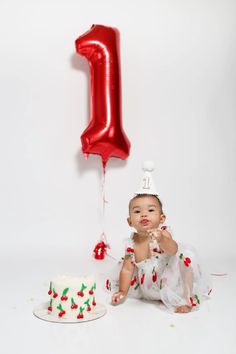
[187,261]
[80,293]
[133,281]
[74,307]
[156,250]
[192,303]
[80,315]
[91,292]
[108,284]
[50,289]
[61,313]
[154,277]
[64,298]
[142,278]
[55,294]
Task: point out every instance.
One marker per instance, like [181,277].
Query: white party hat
[147,185]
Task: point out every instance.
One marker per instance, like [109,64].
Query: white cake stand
[41,312]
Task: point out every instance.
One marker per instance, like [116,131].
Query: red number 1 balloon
[104,135]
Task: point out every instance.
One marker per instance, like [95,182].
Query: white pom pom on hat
[147,185]
[148,166]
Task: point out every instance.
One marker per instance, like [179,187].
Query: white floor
[133,327]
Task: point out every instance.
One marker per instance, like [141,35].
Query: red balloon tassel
[104,135]
[100,250]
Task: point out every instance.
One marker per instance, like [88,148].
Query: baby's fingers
[151,231]
[118,298]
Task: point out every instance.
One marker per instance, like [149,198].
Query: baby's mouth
[144,222]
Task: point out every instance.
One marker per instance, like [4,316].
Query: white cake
[71,297]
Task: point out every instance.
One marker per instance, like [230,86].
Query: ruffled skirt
[175,280]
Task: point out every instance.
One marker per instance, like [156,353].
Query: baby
[155,267]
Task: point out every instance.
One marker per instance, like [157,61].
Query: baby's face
[145,213]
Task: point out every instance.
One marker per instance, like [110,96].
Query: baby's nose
[144,213]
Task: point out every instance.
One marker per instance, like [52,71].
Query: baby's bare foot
[183,309]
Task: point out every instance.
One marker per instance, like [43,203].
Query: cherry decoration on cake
[55,294]
[50,306]
[64,297]
[87,302]
[68,295]
[81,315]
[62,312]
[91,291]
[50,289]
[74,306]
[94,302]
[81,292]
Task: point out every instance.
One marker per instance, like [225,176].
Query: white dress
[175,280]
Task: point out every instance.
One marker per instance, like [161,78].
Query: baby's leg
[187,278]
[187,282]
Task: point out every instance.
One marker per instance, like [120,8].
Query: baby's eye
[136,211]
[150,210]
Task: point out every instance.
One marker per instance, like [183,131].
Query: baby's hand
[118,298]
[155,234]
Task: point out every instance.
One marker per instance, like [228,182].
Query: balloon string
[108,255]
[104,201]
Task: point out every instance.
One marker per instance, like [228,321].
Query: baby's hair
[147,195]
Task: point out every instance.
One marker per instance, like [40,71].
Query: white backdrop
[178,92]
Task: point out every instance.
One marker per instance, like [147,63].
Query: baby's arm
[126,275]
[125,278]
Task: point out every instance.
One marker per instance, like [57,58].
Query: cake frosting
[72,297]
